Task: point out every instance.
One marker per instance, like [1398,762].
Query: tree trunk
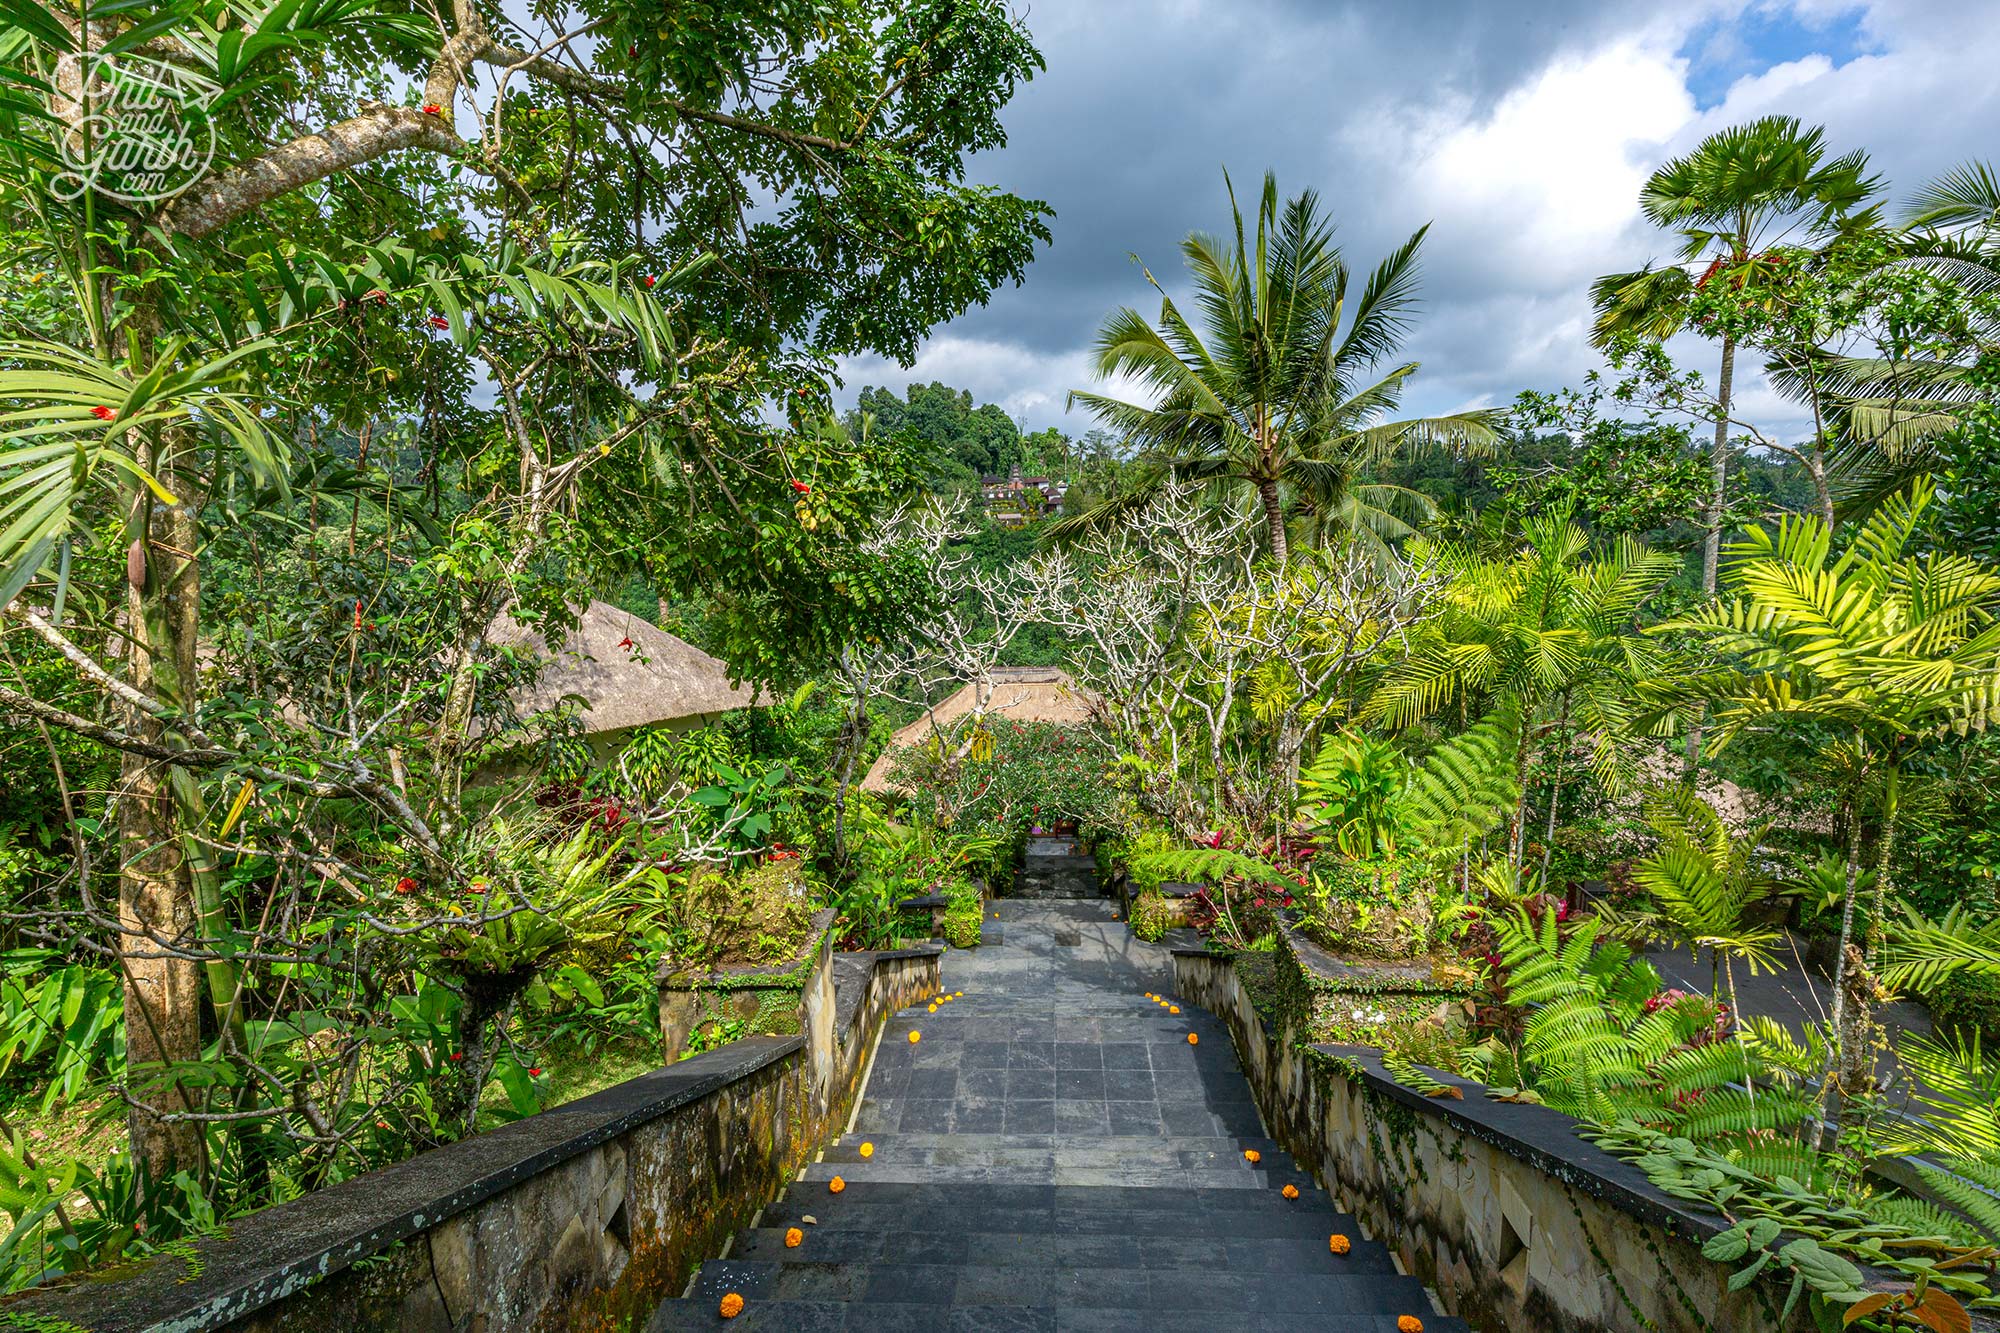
[1845,959]
[1711,550]
[155,898]
[1274,521]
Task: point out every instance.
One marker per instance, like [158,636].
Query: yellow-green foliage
[1151,916]
[961,922]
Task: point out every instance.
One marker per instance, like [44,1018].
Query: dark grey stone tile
[1128,1085]
[982,1082]
[1030,1117]
[978,1115]
[929,1083]
[982,1054]
[1126,1055]
[1134,1117]
[1079,1055]
[1082,1118]
[926,1116]
[1080,1085]
[1031,1055]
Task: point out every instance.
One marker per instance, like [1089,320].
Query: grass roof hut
[1021,694]
[629,674]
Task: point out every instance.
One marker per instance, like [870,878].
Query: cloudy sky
[1521,129]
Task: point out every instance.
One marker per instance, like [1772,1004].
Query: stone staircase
[1056,867]
[1052,1154]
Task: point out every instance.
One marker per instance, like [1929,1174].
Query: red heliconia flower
[406,885]
[104,413]
[433,109]
[801,487]
[439,322]
[649,279]
[626,642]
[357,613]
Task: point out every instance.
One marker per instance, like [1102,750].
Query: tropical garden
[1540,703]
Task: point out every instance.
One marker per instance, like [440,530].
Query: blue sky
[1520,131]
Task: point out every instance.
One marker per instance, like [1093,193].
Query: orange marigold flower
[1290,1191]
[1409,1323]
[732,1305]
[915,1037]
[1173,1008]
[1252,1156]
[836,1185]
[794,1238]
[1193,1040]
[1338,1244]
[867,1150]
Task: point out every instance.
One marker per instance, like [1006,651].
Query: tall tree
[602,134]
[1741,192]
[1884,646]
[1281,389]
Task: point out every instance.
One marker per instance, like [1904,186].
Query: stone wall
[583,1217]
[1518,1223]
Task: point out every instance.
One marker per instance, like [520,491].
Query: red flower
[626,642]
[439,322]
[536,1072]
[433,109]
[801,487]
[1258,903]
[357,613]
[406,885]
[377,295]
[104,413]
[649,279]
[458,1055]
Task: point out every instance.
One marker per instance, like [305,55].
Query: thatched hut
[1021,694]
[629,674]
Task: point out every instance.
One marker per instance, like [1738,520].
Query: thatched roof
[658,678]
[1021,694]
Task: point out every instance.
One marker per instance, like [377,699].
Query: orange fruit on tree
[732,1305]
[794,1238]
[1338,1243]
[836,1185]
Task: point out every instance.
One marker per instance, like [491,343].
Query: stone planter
[767,999]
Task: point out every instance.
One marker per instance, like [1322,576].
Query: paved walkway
[1052,1154]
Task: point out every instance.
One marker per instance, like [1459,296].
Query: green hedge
[1968,1002]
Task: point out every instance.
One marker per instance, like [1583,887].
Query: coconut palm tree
[1281,390]
[1740,192]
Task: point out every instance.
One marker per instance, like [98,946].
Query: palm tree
[1888,646]
[1704,882]
[1548,627]
[1894,408]
[1740,192]
[1273,394]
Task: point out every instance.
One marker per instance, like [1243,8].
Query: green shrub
[1968,1002]
[961,922]
[1151,916]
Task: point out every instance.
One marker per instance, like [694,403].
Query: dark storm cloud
[1520,130]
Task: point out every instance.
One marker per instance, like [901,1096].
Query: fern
[1925,1219]
[1971,1188]
[1466,786]
[1202,865]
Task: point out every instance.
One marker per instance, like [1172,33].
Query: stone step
[1164,1249]
[841,1317]
[1034,1208]
[985,1152]
[1028,1167]
[1313,1295]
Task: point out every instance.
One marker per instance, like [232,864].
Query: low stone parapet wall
[585,1216]
[1518,1223]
